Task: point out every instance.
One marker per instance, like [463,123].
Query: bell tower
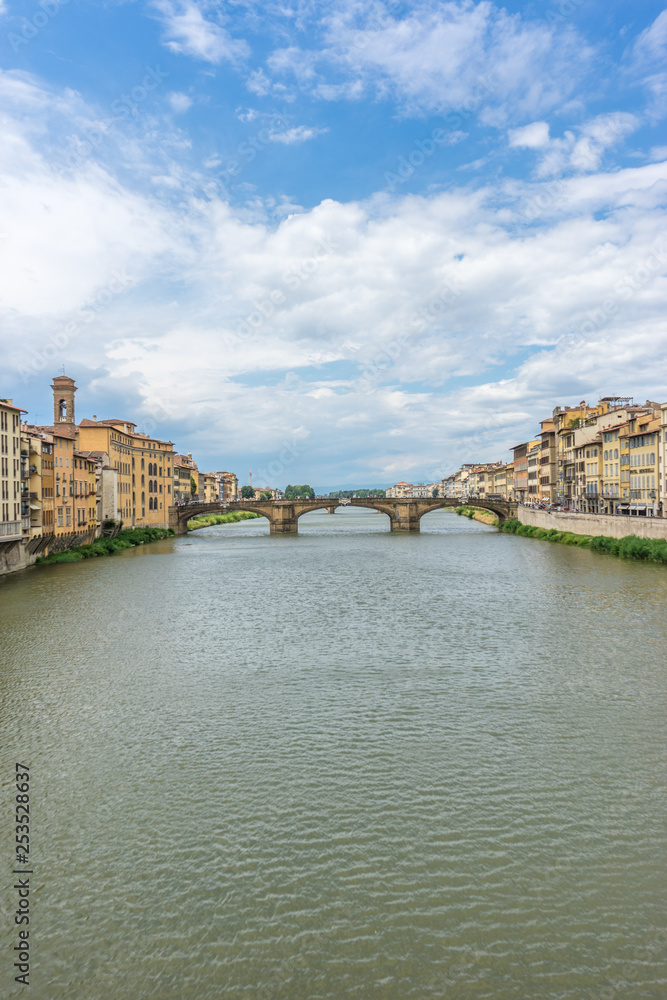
[63,400]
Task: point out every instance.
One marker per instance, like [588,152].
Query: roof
[114,422]
[648,427]
[12,406]
[57,430]
[103,423]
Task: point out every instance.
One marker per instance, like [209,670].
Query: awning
[35,506]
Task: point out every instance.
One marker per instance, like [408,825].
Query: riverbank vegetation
[478,514]
[207,519]
[125,539]
[629,547]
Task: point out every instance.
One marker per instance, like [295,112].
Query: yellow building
[643,467]
[144,467]
[230,485]
[525,480]
[566,420]
[548,465]
[209,487]
[11,521]
[185,473]
[33,441]
[503,481]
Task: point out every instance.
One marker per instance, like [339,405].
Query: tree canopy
[361,494]
[299,493]
[247,492]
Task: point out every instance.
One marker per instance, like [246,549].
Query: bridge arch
[500,508]
[332,506]
[179,516]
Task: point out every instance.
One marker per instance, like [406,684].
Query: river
[346,764]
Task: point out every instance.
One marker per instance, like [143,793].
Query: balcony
[10,529]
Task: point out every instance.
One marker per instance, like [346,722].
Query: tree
[435,493]
[247,493]
[299,492]
[266,495]
[193,486]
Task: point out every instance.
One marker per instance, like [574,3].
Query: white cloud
[532,136]
[187,31]
[180,103]
[440,57]
[581,149]
[652,42]
[301,133]
[249,331]
[647,60]
[258,83]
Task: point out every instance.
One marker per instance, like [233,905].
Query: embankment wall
[595,524]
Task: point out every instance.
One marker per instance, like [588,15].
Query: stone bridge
[283,515]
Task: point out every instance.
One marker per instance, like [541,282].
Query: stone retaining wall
[615,526]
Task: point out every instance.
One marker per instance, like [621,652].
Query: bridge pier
[177,525]
[284,520]
[405,517]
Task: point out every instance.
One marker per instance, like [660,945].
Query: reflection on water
[344,764]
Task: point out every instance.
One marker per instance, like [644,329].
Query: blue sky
[341,243]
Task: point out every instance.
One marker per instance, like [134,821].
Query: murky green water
[347,764]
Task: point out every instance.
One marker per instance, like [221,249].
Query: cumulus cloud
[188,31]
[180,103]
[581,148]
[532,136]
[250,333]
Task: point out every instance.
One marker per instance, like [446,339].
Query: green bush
[69,556]
[629,547]
[108,546]
[601,543]
[205,520]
